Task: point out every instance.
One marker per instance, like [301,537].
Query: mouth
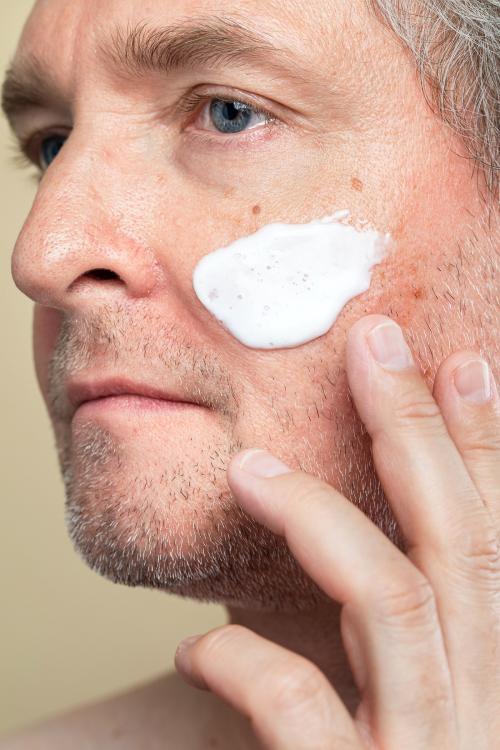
[122,393]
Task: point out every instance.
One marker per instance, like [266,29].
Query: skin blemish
[357,184]
[256,210]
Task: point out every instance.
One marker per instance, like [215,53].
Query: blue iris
[230,117]
[49,149]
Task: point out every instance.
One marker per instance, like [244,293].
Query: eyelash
[25,148]
[189,104]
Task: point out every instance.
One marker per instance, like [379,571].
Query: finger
[288,700]
[451,535]
[421,470]
[467,395]
[393,639]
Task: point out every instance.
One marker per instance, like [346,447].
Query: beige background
[66,636]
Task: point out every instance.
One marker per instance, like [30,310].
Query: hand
[421,630]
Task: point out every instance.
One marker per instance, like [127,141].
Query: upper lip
[80,392]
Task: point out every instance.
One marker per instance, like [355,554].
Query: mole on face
[256,210]
[357,184]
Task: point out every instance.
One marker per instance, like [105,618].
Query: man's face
[146,185]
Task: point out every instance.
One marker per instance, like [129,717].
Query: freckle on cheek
[357,184]
[256,210]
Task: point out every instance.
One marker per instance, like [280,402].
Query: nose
[76,248]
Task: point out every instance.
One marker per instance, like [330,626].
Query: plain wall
[67,637]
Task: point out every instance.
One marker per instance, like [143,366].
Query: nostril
[102,274]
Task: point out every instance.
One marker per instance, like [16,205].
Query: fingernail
[182,658]
[187,642]
[189,671]
[261,464]
[388,347]
[473,381]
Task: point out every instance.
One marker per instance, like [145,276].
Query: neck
[314,634]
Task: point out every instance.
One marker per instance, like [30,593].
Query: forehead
[79,26]
[64,13]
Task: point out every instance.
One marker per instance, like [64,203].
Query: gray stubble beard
[155,533]
[176,527]
[166,530]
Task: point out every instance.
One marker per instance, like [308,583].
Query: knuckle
[297,688]
[479,442]
[418,408]
[306,487]
[307,491]
[407,604]
[478,551]
[220,638]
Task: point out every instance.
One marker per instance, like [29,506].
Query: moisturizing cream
[285,284]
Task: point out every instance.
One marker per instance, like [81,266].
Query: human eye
[231,116]
[40,149]
[49,148]
[225,115]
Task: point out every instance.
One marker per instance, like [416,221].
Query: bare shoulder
[155,715]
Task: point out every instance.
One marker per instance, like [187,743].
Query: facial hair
[174,525]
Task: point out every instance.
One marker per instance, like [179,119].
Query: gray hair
[456,45]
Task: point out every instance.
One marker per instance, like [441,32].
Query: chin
[174,526]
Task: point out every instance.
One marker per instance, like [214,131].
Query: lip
[80,393]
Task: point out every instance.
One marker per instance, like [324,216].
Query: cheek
[46,326]
[271,291]
[430,291]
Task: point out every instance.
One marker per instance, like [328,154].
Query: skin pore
[143,188]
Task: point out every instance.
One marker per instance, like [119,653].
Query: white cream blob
[285,284]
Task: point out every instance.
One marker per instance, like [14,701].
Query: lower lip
[131,402]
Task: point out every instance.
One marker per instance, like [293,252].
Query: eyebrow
[28,84]
[135,51]
[199,41]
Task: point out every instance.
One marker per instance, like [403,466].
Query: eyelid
[188,103]
[29,145]
[204,124]
[212,138]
